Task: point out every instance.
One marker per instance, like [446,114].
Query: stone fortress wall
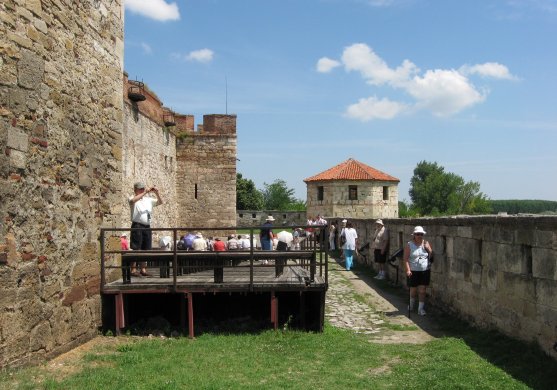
[73,146]
[61,112]
[496,272]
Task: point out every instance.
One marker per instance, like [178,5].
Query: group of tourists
[196,242]
[417,255]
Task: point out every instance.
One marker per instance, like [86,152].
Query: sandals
[144,273]
[136,274]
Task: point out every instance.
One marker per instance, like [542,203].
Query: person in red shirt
[124,244]
[219,245]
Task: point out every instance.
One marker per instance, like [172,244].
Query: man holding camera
[141,208]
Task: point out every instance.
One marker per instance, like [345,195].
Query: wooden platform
[235,278]
[296,278]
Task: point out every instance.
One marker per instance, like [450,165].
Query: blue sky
[471,85]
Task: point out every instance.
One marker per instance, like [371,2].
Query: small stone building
[352,189]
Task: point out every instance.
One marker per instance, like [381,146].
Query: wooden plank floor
[236,278]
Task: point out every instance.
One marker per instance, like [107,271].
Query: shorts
[419,278]
[380,258]
[141,239]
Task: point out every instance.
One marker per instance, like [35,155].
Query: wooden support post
[274,310]
[190,316]
[120,318]
[321,311]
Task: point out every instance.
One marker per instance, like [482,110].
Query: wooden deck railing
[174,263]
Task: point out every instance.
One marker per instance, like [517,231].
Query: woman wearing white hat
[380,247]
[417,258]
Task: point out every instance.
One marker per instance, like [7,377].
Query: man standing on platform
[141,207]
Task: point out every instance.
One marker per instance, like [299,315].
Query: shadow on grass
[524,361]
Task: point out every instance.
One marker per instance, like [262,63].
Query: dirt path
[356,302]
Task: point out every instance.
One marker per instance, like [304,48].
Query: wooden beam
[190,315]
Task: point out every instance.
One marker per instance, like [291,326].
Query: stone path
[353,302]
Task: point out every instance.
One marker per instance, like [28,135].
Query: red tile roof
[351,170]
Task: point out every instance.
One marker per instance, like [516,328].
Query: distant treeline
[528,206]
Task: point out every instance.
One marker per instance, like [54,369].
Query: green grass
[335,359]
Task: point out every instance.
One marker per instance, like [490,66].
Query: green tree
[532,206]
[247,196]
[406,210]
[436,192]
[277,196]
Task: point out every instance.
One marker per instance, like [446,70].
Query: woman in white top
[350,245]
[417,260]
[332,232]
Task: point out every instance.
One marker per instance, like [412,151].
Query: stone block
[84,176]
[30,70]
[509,259]
[464,231]
[59,323]
[81,320]
[547,315]
[93,285]
[516,286]
[489,254]
[20,40]
[545,239]
[86,270]
[74,295]
[546,291]
[40,25]
[17,139]
[8,297]
[544,263]
[466,249]
[15,99]
[476,274]
[41,337]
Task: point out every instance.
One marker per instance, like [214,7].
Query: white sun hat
[418,229]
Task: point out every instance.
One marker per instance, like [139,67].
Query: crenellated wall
[206,174]
[60,168]
[498,272]
[282,218]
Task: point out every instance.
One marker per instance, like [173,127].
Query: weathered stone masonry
[498,272]
[60,138]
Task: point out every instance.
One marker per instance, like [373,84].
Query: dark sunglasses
[418,234]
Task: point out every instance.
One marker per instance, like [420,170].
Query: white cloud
[203,55]
[373,108]
[488,69]
[325,65]
[443,92]
[146,48]
[361,58]
[158,10]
